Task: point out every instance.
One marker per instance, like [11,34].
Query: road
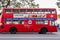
[30,36]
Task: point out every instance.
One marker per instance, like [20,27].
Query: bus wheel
[43,31]
[13,30]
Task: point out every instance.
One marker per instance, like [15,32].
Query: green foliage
[59,16]
[32,4]
[21,3]
[18,4]
[5,3]
[31,0]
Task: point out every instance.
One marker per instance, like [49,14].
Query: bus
[41,20]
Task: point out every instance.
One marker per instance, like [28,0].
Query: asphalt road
[30,36]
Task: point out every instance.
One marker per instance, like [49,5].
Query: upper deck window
[41,10]
[29,10]
[46,11]
[7,10]
[36,10]
[52,11]
[15,11]
[22,10]
[10,10]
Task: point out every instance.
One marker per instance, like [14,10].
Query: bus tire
[13,30]
[43,31]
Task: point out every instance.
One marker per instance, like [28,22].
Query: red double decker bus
[40,20]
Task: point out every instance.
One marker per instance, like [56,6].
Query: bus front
[52,17]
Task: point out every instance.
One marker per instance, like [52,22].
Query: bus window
[7,10]
[46,21]
[15,11]
[8,22]
[22,10]
[39,22]
[42,10]
[29,10]
[15,22]
[52,11]
[52,23]
[47,11]
[36,10]
[21,21]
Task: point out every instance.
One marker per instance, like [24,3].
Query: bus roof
[30,8]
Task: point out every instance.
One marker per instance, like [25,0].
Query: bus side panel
[52,29]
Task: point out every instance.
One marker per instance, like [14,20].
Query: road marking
[31,37]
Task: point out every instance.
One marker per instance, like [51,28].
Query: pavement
[30,36]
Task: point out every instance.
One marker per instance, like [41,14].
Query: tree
[20,4]
[59,16]
[5,3]
[30,3]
